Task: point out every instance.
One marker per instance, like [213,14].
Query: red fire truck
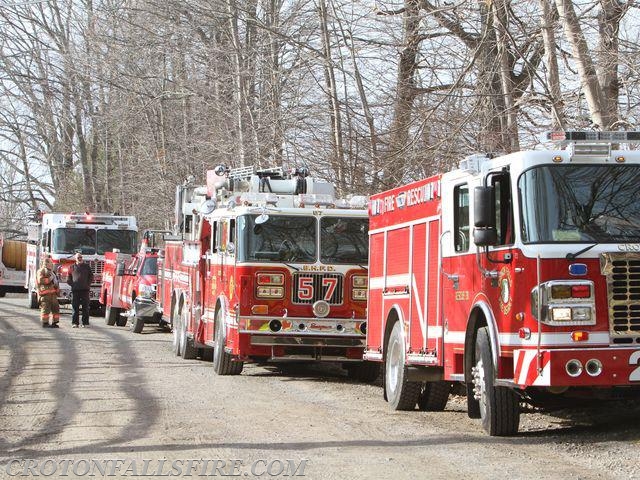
[267,266]
[60,235]
[129,288]
[518,276]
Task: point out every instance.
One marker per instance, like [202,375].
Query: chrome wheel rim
[393,366]
[480,387]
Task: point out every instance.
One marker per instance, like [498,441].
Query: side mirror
[485,237]
[231,248]
[484,217]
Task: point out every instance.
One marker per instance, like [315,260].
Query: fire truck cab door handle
[455,278]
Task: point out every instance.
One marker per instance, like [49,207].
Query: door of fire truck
[211,268]
[457,270]
[497,262]
[222,261]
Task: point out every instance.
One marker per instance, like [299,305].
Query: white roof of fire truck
[107,221]
[575,147]
[250,190]
[78,220]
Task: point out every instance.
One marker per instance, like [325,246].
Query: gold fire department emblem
[504,282]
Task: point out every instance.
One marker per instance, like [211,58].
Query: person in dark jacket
[80,280]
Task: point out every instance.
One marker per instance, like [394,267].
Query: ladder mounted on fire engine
[245,173]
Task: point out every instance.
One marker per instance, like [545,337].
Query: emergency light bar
[315,199]
[594,137]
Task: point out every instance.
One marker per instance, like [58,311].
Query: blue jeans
[80,297]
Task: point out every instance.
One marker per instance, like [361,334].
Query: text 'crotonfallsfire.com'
[28,467]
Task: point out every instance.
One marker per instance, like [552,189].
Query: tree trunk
[549,19]
[337,160]
[405,93]
[594,95]
[608,54]
[509,140]
[237,82]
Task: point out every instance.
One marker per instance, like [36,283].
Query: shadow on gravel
[308,372]
[609,421]
[65,402]
[65,385]
[17,362]
[464,440]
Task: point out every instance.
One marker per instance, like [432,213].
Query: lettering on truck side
[415,196]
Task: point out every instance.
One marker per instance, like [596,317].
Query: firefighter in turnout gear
[47,283]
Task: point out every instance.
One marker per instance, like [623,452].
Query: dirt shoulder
[106,394]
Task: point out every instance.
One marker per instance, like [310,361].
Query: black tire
[122,320]
[32,299]
[206,354]
[188,351]
[401,393]
[499,406]
[223,363]
[363,371]
[473,405]
[111,315]
[138,324]
[3,293]
[99,310]
[434,396]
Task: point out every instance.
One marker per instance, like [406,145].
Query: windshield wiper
[571,256]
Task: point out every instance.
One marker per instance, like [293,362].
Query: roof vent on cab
[474,162]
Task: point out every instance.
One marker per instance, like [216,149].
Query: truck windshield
[150,266]
[580,204]
[124,240]
[71,240]
[90,241]
[281,238]
[344,240]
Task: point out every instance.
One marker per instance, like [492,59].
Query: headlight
[270,292]
[62,271]
[564,302]
[561,314]
[359,294]
[359,281]
[359,287]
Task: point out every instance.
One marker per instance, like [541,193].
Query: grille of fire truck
[320,287]
[97,267]
[622,271]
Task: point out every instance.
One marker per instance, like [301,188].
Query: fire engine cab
[518,276]
[267,265]
[60,235]
[129,287]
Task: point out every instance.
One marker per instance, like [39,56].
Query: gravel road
[89,397]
